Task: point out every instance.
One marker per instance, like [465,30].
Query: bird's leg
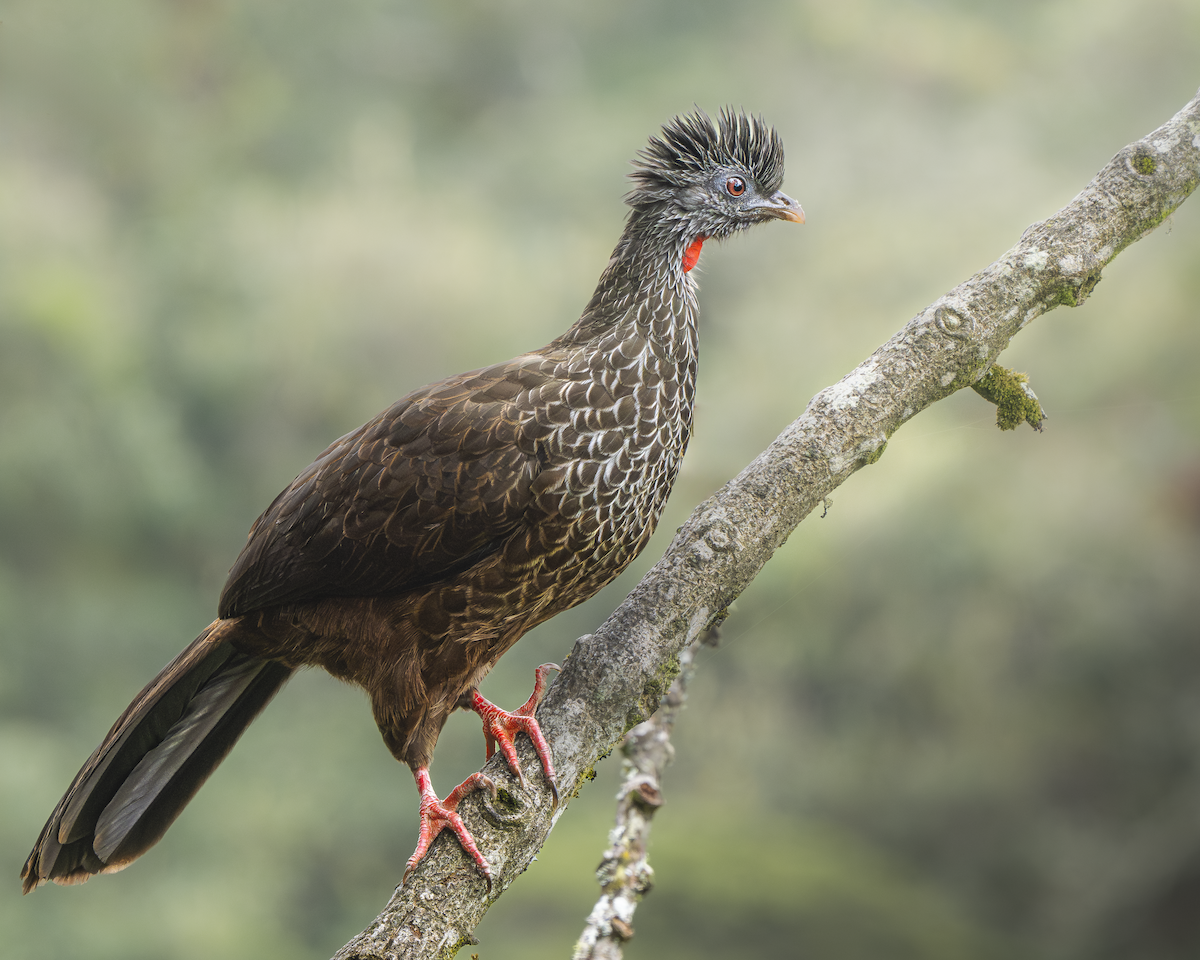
[437,815]
[500,727]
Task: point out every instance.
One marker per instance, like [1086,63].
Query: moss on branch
[1015,401]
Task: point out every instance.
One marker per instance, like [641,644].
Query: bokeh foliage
[956,717]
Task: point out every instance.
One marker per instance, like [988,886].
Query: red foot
[500,727]
[437,815]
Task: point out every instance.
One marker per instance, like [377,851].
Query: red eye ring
[735,186]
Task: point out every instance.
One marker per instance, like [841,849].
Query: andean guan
[417,549]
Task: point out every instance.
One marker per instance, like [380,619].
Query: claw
[438,815]
[501,727]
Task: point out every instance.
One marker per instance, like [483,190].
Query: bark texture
[615,678]
[625,873]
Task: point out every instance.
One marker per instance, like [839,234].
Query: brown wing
[431,486]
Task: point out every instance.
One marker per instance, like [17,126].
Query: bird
[416,550]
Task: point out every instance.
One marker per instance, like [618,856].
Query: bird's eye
[735,186]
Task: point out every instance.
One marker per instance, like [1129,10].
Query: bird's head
[713,178]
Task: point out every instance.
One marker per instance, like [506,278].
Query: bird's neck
[645,289]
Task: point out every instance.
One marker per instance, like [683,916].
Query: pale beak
[783,207]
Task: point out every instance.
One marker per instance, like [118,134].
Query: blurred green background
[959,716]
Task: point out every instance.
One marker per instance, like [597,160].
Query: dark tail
[154,759]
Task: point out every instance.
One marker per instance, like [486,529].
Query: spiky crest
[692,145]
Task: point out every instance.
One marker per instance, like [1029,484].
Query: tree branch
[615,678]
[624,873]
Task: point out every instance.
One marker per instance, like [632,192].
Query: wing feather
[438,481]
